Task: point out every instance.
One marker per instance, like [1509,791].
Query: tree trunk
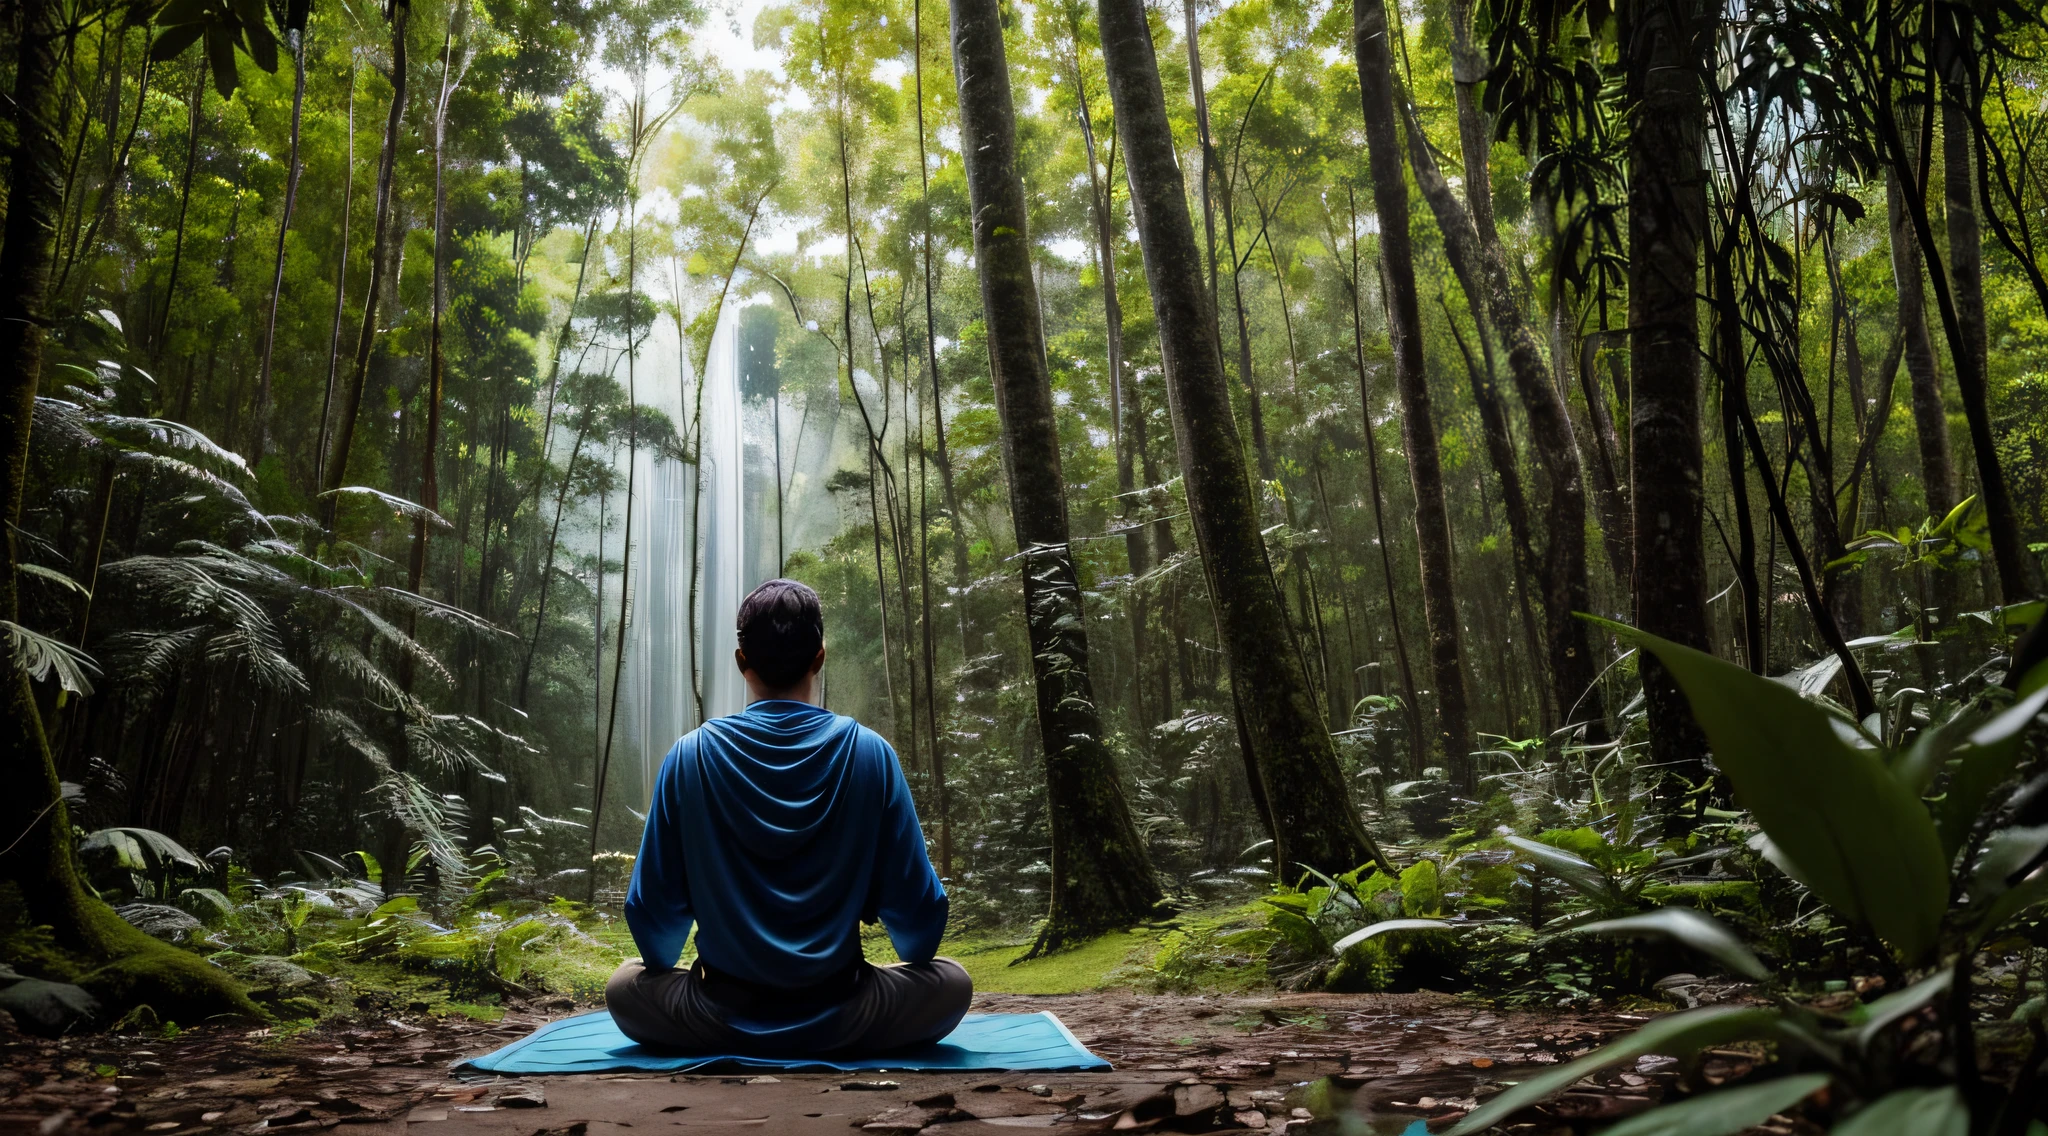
[1965,239]
[2016,575]
[1418,419]
[1475,128]
[348,200]
[118,962]
[437,363]
[1290,755]
[1500,453]
[297,42]
[1372,468]
[1734,375]
[1125,410]
[163,326]
[547,568]
[960,569]
[1667,220]
[1930,409]
[337,465]
[1483,271]
[1101,876]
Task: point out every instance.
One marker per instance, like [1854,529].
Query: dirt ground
[1304,1064]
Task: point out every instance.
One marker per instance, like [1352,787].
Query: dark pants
[891,1007]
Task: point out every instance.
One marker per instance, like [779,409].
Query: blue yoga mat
[591,1043]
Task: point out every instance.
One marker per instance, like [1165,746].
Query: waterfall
[662,705]
[725,583]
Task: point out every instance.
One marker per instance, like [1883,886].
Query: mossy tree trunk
[117,962]
[1288,752]
[1101,876]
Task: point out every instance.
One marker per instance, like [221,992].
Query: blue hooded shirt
[777,831]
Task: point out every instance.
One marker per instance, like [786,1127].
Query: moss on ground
[1191,953]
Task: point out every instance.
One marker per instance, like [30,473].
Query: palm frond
[406,644]
[63,426]
[412,510]
[145,661]
[142,432]
[41,656]
[59,578]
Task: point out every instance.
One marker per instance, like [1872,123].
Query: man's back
[777,830]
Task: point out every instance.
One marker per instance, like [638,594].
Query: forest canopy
[1239,445]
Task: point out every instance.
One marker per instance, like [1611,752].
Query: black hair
[781,629]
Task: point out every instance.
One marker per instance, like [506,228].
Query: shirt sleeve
[912,902]
[658,911]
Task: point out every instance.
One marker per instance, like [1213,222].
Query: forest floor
[1301,1063]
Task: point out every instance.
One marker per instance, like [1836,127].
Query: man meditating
[777,831]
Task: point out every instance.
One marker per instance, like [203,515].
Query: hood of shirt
[772,773]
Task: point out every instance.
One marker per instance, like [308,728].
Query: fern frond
[42,656]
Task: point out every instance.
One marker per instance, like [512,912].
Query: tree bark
[2016,574]
[1372,468]
[1418,418]
[1483,271]
[163,326]
[1125,411]
[1930,409]
[1475,128]
[38,871]
[942,794]
[1290,755]
[297,37]
[380,252]
[1965,237]
[348,200]
[1101,875]
[1667,220]
[437,363]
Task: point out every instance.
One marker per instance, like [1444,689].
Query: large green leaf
[1384,926]
[1572,869]
[1982,765]
[1862,841]
[1911,1112]
[1696,929]
[144,849]
[43,656]
[2021,896]
[1678,1034]
[2007,852]
[1918,764]
[1879,1015]
[1719,1112]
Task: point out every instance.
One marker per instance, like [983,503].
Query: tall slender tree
[295,40]
[1101,875]
[1923,368]
[1667,216]
[1291,762]
[1489,288]
[399,12]
[1418,416]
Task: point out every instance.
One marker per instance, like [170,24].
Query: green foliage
[225,27]
[1796,764]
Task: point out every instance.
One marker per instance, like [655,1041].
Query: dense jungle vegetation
[1369,493]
